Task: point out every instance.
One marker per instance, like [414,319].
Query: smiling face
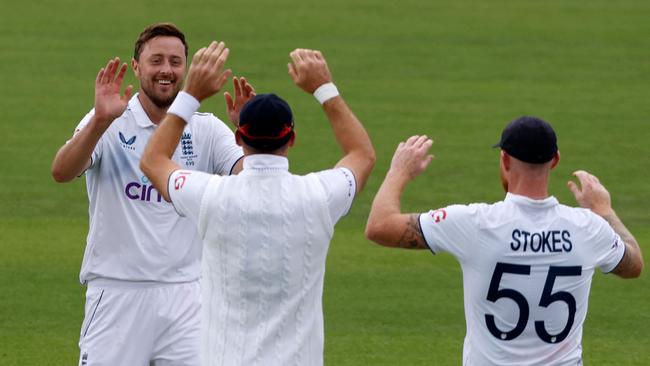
[160,69]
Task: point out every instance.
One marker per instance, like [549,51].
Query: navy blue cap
[266,122]
[529,139]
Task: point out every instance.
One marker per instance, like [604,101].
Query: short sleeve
[609,247]
[225,151]
[450,229]
[340,187]
[97,151]
[186,189]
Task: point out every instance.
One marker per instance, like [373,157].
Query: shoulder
[456,213]
[342,177]
[483,215]
[208,123]
[581,217]
[204,118]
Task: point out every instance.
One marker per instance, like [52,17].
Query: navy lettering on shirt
[552,241]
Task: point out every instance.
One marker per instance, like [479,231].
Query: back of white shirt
[266,235]
[527,268]
[134,234]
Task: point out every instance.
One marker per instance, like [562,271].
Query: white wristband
[184,106]
[326,92]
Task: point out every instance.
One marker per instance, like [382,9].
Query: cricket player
[142,261]
[527,261]
[266,232]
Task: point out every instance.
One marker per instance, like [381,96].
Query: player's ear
[556,159]
[292,139]
[238,138]
[134,66]
[505,161]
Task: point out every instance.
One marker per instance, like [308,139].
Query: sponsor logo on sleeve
[179,181]
[438,215]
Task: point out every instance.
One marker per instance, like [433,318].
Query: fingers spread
[223,79]
[121,73]
[198,56]
[127,93]
[420,141]
[230,104]
[221,60]
[100,75]
[236,85]
[411,140]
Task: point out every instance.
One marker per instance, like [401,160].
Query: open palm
[109,104]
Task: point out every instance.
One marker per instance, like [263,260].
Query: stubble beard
[160,102]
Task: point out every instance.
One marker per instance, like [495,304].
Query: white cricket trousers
[141,324]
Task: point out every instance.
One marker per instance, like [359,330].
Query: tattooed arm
[632,263]
[386,224]
[593,195]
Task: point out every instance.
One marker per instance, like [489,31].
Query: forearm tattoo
[412,237]
[631,247]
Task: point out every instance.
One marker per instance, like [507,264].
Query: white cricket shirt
[265,233]
[134,233]
[527,268]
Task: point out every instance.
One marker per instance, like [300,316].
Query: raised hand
[592,194]
[308,69]
[412,157]
[243,93]
[109,104]
[206,75]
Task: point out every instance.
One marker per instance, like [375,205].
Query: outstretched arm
[309,71]
[205,78]
[74,157]
[387,225]
[594,196]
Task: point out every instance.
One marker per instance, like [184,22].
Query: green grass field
[455,70]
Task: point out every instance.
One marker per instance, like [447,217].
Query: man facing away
[142,261]
[527,261]
[265,231]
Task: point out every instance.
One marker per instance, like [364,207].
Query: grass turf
[455,70]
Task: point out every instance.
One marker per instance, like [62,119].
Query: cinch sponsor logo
[142,191]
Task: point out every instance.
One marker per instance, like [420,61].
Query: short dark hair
[157,30]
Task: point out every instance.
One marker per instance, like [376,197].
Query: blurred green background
[455,70]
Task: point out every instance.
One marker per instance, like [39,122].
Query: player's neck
[532,188]
[155,113]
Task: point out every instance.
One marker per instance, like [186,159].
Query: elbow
[375,232]
[637,267]
[636,271]
[370,232]
[59,175]
[371,159]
